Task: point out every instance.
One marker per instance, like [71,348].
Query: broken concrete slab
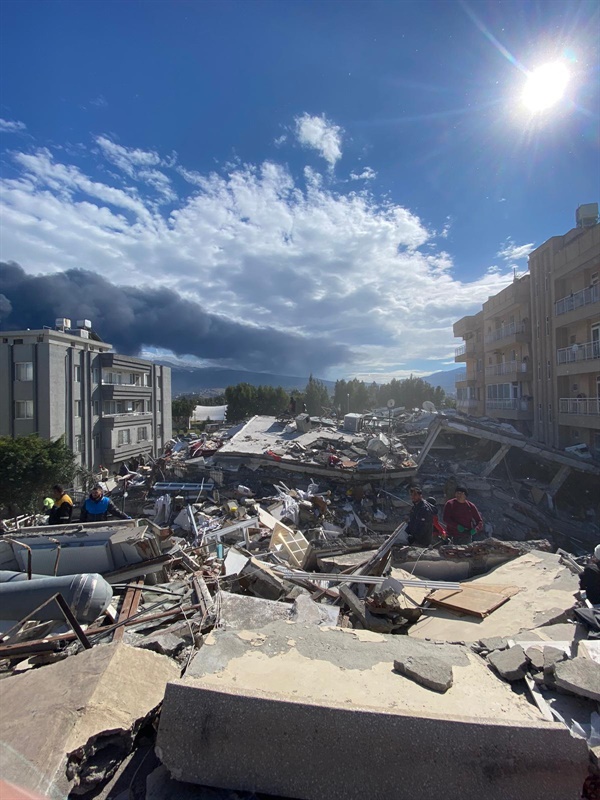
[579,676]
[546,589]
[552,656]
[240,611]
[492,643]
[69,724]
[164,643]
[430,672]
[330,699]
[306,611]
[535,656]
[261,581]
[355,604]
[510,664]
[590,648]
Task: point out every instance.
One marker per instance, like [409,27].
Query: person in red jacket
[462,518]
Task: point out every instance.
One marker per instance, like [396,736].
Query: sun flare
[545,86]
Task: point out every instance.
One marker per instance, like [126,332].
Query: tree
[241,401]
[315,396]
[29,467]
[182,409]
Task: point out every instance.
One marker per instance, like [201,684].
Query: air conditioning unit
[62,323]
[353,422]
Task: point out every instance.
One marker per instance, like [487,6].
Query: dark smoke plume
[131,318]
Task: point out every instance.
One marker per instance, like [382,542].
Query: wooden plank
[130,606]
[468,601]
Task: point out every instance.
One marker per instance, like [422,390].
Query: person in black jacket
[589,580]
[60,513]
[97,507]
[420,523]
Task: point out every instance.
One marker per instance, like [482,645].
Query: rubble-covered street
[265,626]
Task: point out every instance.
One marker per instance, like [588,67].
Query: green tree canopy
[29,468]
[316,396]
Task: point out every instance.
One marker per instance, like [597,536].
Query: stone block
[431,672]
[306,611]
[580,676]
[510,664]
[535,656]
[493,643]
[239,611]
[68,725]
[334,712]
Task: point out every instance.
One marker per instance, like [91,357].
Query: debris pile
[270,588]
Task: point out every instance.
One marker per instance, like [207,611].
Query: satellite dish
[391,403]
[429,406]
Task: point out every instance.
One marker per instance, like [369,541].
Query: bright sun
[545,86]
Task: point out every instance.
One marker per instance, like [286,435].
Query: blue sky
[348,177]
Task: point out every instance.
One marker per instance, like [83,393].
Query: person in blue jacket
[97,507]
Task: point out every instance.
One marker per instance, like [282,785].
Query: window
[547,326]
[97,442]
[142,434]
[24,371]
[77,408]
[539,370]
[77,373]
[159,431]
[548,368]
[594,279]
[537,330]
[17,341]
[96,408]
[160,405]
[124,437]
[546,283]
[539,412]
[24,409]
[96,375]
[549,412]
[78,444]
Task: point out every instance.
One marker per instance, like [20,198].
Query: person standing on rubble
[420,523]
[462,518]
[60,513]
[589,580]
[97,507]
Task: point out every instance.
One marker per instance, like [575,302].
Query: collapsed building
[264,625]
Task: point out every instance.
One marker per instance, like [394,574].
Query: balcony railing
[129,414]
[578,352]
[510,404]
[460,351]
[507,367]
[461,376]
[584,297]
[504,331]
[471,403]
[579,405]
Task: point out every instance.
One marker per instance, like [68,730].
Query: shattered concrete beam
[495,460]
[558,480]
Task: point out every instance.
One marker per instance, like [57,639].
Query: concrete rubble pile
[264,626]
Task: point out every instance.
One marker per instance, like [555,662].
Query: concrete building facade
[68,383]
[541,344]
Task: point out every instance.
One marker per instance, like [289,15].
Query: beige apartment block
[539,344]
[507,355]
[67,382]
[470,385]
[565,292]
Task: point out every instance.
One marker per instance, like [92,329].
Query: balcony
[584,297]
[509,334]
[578,354]
[579,412]
[127,417]
[466,377]
[579,405]
[510,408]
[511,370]
[465,351]
[467,405]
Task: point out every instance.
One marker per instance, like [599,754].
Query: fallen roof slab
[546,589]
[70,722]
[309,712]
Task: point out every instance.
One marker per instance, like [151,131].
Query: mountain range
[211,381]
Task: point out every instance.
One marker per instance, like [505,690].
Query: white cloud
[140,165]
[367,174]
[12,126]
[280,140]
[321,135]
[515,252]
[253,244]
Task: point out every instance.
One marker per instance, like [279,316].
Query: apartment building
[541,344]
[67,382]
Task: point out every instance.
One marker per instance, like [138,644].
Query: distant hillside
[445,379]
[186,380]
[213,381]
